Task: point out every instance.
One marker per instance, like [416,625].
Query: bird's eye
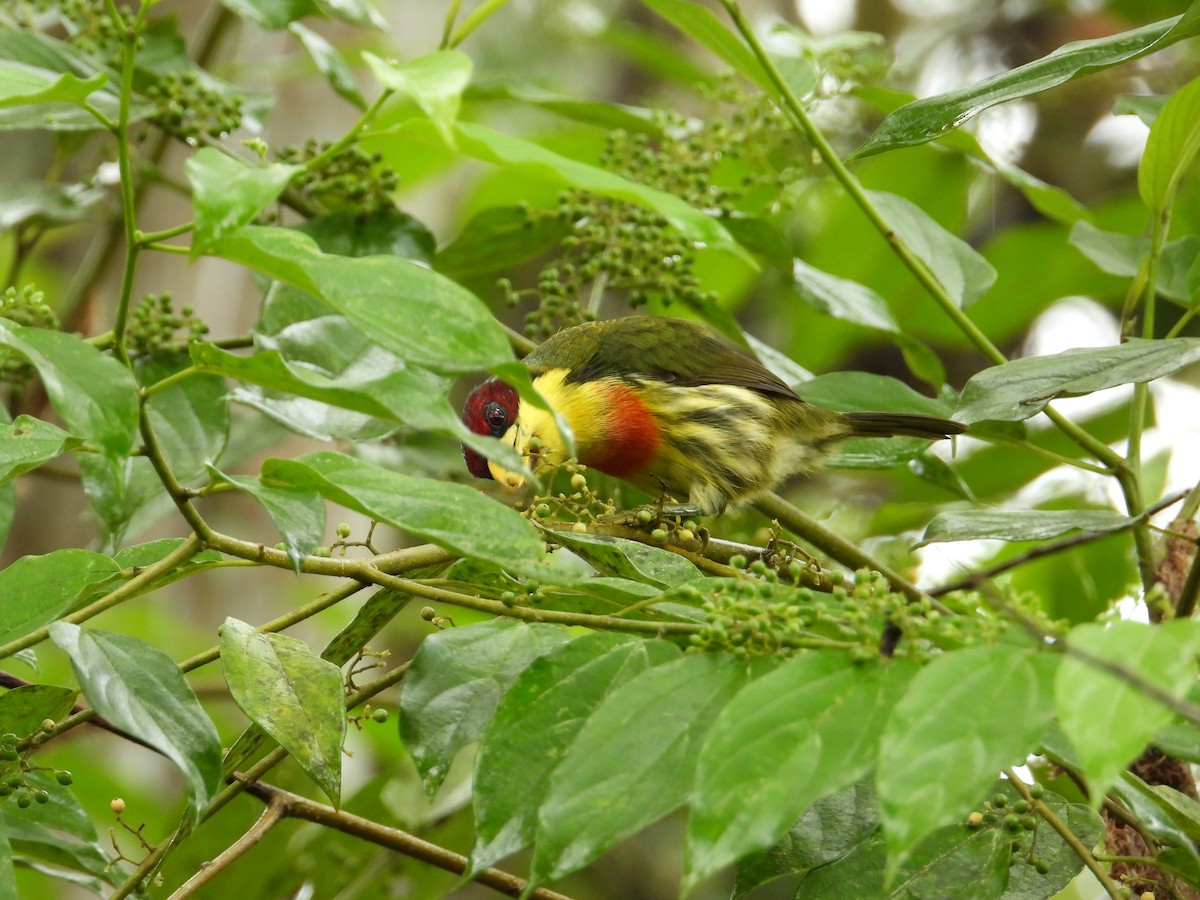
[497,418]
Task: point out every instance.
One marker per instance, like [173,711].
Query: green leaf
[965,716]
[330,63]
[28,442]
[702,26]
[24,708]
[1123,254]
[391,392]
[228,194]
[189,417]
[453,516]
[417,314]
[435,81]
[830,829]
[535,722]
[39,589]
[797,734]
[356,12]
[385,232]
[455,683]
[1106,717]
[292,694]
[298,512]
[94,394]
[932,117]
[8,880]
[606,115]
[1156,810]
[958,267]
[622,558]
[633,761]
[272,14]
[957,861]
[1171,148]
[1021,388]
[140,689]
[1019,525]
[867,392]
[497,239]
[529,159]
[21,84]
[36,203]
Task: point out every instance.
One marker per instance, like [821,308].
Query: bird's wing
[665,349]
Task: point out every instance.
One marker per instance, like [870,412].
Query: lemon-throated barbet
[668,406]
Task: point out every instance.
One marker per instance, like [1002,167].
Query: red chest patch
[631,438]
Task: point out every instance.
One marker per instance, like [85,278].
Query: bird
[668,406]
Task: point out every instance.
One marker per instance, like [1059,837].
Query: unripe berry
[117,805]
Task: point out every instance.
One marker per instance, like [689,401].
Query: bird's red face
[491,409]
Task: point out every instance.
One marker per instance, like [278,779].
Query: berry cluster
[350,180]
[188,108]
[26,306]
[15,769]
[154,324]
[613,245]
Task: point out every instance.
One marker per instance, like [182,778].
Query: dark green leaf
[415,313]
[39,589]
[1107,718]
[386,232]
[140,689]
[829,830]
[298,512]
[29,442]
[797,734]
[228,194]
[1145,107]
[498,239]
[1155,813]
[633,761]
[867,392]
[24,708]
[932,117]
[292,694]
[534,724]
[1019,525]
[960,269]
[455,683]
[1171,147]
[958,861]
[94,394]
[1020,389]
[966,715]
[189,417]
[450,515]
[330,63]
[21,84]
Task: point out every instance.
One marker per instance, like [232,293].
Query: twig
[1077,540]
[271,816]
[297,807]
[1048,816]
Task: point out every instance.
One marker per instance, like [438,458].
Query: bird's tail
[883,424]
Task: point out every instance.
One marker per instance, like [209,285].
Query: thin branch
[1048,816]
[839,548]
[271,816]
[1078,540]
[132,588]
[295,806]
